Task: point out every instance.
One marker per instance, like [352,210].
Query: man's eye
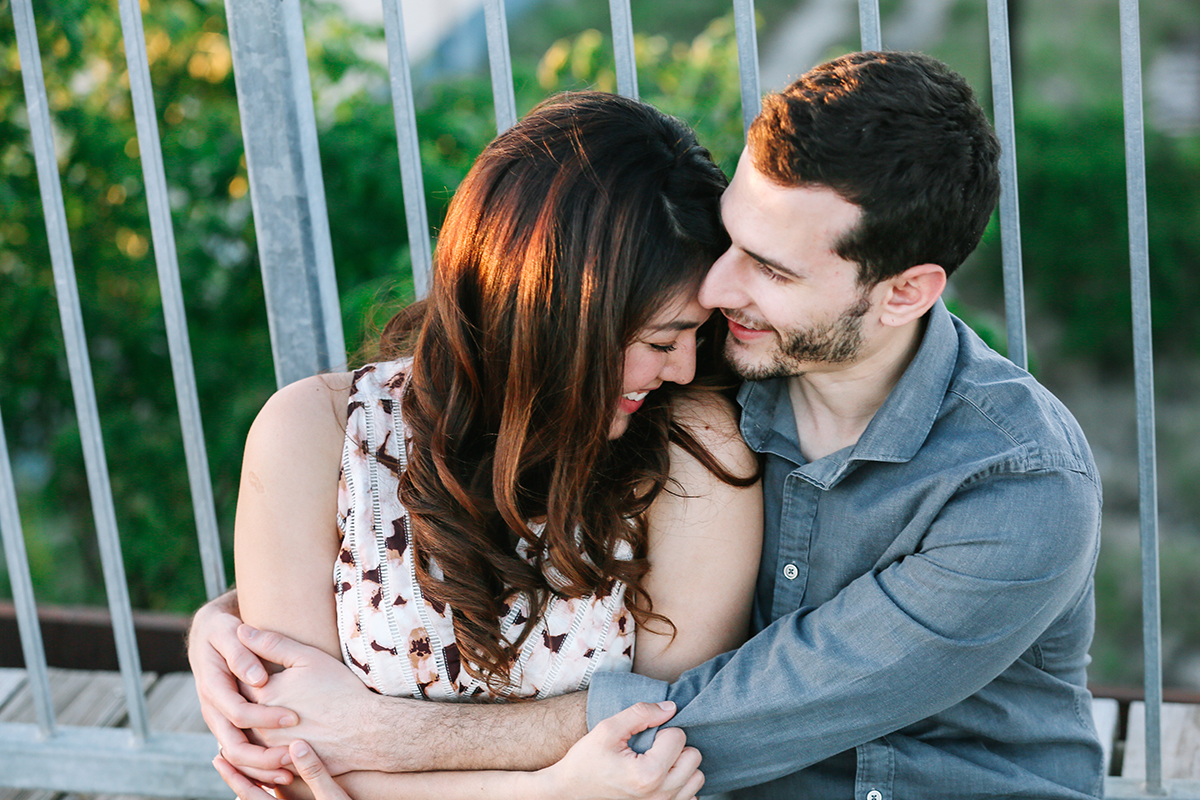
[770,273]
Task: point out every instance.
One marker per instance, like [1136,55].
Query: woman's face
[663,350]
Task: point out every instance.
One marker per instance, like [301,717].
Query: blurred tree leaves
[191,70]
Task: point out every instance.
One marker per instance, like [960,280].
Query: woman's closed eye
[663,348]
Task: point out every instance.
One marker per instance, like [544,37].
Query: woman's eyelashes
[663,348]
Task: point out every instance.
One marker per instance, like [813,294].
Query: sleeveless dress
[401,643]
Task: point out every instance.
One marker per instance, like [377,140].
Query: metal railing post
[15,556]
[416,215]
[287,191]
[500,62]
[1139,264]
[747,45]
[868,23]
[623,48]
[82,385]
[1010,218]
[165,257]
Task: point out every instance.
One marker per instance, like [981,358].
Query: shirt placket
[876,771]
[795,542]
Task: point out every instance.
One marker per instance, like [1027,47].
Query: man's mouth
[744,332]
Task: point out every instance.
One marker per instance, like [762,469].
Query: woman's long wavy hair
[571,231]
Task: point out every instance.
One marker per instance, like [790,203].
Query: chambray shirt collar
[898,429]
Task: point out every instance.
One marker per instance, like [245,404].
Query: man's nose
[719,287]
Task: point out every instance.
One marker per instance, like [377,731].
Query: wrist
[394,728]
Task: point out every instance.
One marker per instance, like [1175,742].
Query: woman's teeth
[636,397]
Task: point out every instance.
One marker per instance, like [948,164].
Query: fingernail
[288,720]
[257,674]
[666,705]
[300,749]
[248,632]
[287,759]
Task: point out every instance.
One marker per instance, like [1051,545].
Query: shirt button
[874,795]
[790,571]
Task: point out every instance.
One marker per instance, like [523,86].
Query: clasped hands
[270,728]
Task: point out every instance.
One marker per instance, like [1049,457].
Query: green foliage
[1075,235]
[105,206]
[114,259]
[696,81]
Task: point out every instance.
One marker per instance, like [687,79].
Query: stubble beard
[837,341]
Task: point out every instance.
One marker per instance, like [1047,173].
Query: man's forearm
[407,735]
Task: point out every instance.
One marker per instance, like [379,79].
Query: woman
[522,494]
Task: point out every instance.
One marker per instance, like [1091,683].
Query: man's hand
[354,728]
[333,705]
[219,660]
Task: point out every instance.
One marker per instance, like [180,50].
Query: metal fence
[275,100]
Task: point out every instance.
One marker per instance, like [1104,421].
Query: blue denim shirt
[924,603]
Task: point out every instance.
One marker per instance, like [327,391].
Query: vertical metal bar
[22,589]
[404,111]
[1139,263]
[1010,217]
[747,42]
[80,368]
[868,23]
[501,64]
[287,191]
[623,50]
[166,259]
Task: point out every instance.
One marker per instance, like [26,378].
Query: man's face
[794,306]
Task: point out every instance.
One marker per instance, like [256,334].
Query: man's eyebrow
[775,265]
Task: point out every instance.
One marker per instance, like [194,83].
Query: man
[925,597]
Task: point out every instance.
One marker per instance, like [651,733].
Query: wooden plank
[1181,741]
[1106,712]
[79,698]
[173,706]
[10,681]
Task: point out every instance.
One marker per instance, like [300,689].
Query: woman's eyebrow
[678,325]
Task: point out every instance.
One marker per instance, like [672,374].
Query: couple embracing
[821,544]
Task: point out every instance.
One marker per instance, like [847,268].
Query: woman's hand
[602,766]
[317,780]
[219,660]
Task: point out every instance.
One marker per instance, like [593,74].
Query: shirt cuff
[613,692]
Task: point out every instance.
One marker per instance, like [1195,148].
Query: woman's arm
[285,535]
[286,542]
[705,542]
[599,767]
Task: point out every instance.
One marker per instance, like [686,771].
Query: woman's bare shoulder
[712,419]
[310,413]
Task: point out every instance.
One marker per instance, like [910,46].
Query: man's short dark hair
[901,136]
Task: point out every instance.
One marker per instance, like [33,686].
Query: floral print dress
[401,643]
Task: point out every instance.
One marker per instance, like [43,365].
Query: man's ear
[907,296]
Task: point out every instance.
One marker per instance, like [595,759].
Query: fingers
[260,763]
[275,647]
[214,630]
[314,773]
[245,788]
[637,718]
[220,694]
[684,780]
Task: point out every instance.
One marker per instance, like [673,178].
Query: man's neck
[833,408]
